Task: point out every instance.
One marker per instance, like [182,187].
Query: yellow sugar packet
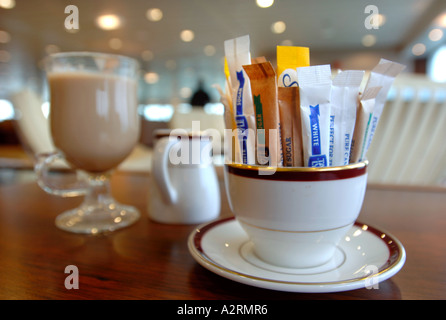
[289,58]
[264,94]
[227,75]
[229,119]
[226,99]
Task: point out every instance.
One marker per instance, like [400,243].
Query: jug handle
[160,169]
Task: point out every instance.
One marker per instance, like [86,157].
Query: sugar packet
[382,76]
[237,54]
[264,93]
[344,99]
[231,145]
[258,60]
[364,115]
[315,93]
[226,100]
[290,122]
[289,58]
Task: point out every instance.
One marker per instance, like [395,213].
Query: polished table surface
[149,260]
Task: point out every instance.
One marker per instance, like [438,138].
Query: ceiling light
[187,35]
[6,110]
[438,65]
[52,48]
[5,56]
[115,43]
[264,3]
[418,49]
[368,40]
[5,37]
[151,77]
[286,43]
[7,4]
[154,14]
[278,27]
[108,22]
[147,55]
[185,92]
[435,34]
[381,20]
[171,64]
[209,50]
[441,20]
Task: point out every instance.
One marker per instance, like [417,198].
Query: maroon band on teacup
[180,134]
[298,173]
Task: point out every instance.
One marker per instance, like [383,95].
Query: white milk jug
[185,187]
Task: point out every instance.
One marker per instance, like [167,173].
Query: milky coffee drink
[94,118]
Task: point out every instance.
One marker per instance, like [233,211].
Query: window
[437,66]
[6,110]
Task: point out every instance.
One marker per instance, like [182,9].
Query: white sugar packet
[237,54]
[344,100]
[382,75]
[364,115]
[315,93]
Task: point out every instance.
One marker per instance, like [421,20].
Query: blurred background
[180,45]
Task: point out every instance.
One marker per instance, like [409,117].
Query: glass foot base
[97,219]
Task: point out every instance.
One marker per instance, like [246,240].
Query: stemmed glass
[95,126]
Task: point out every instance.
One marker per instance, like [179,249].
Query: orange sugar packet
[290,121]
[264,93]
[258,60]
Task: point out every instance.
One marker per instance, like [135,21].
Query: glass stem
[99,194]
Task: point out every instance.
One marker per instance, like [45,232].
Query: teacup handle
[51,185]
[161,169]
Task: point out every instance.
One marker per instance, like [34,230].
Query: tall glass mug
[95,126]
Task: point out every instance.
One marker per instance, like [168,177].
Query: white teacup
[295,217]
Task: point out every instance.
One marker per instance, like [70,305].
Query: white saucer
[364,258]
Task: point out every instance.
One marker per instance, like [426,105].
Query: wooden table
[151,261]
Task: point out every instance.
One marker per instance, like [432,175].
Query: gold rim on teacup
[298,173]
